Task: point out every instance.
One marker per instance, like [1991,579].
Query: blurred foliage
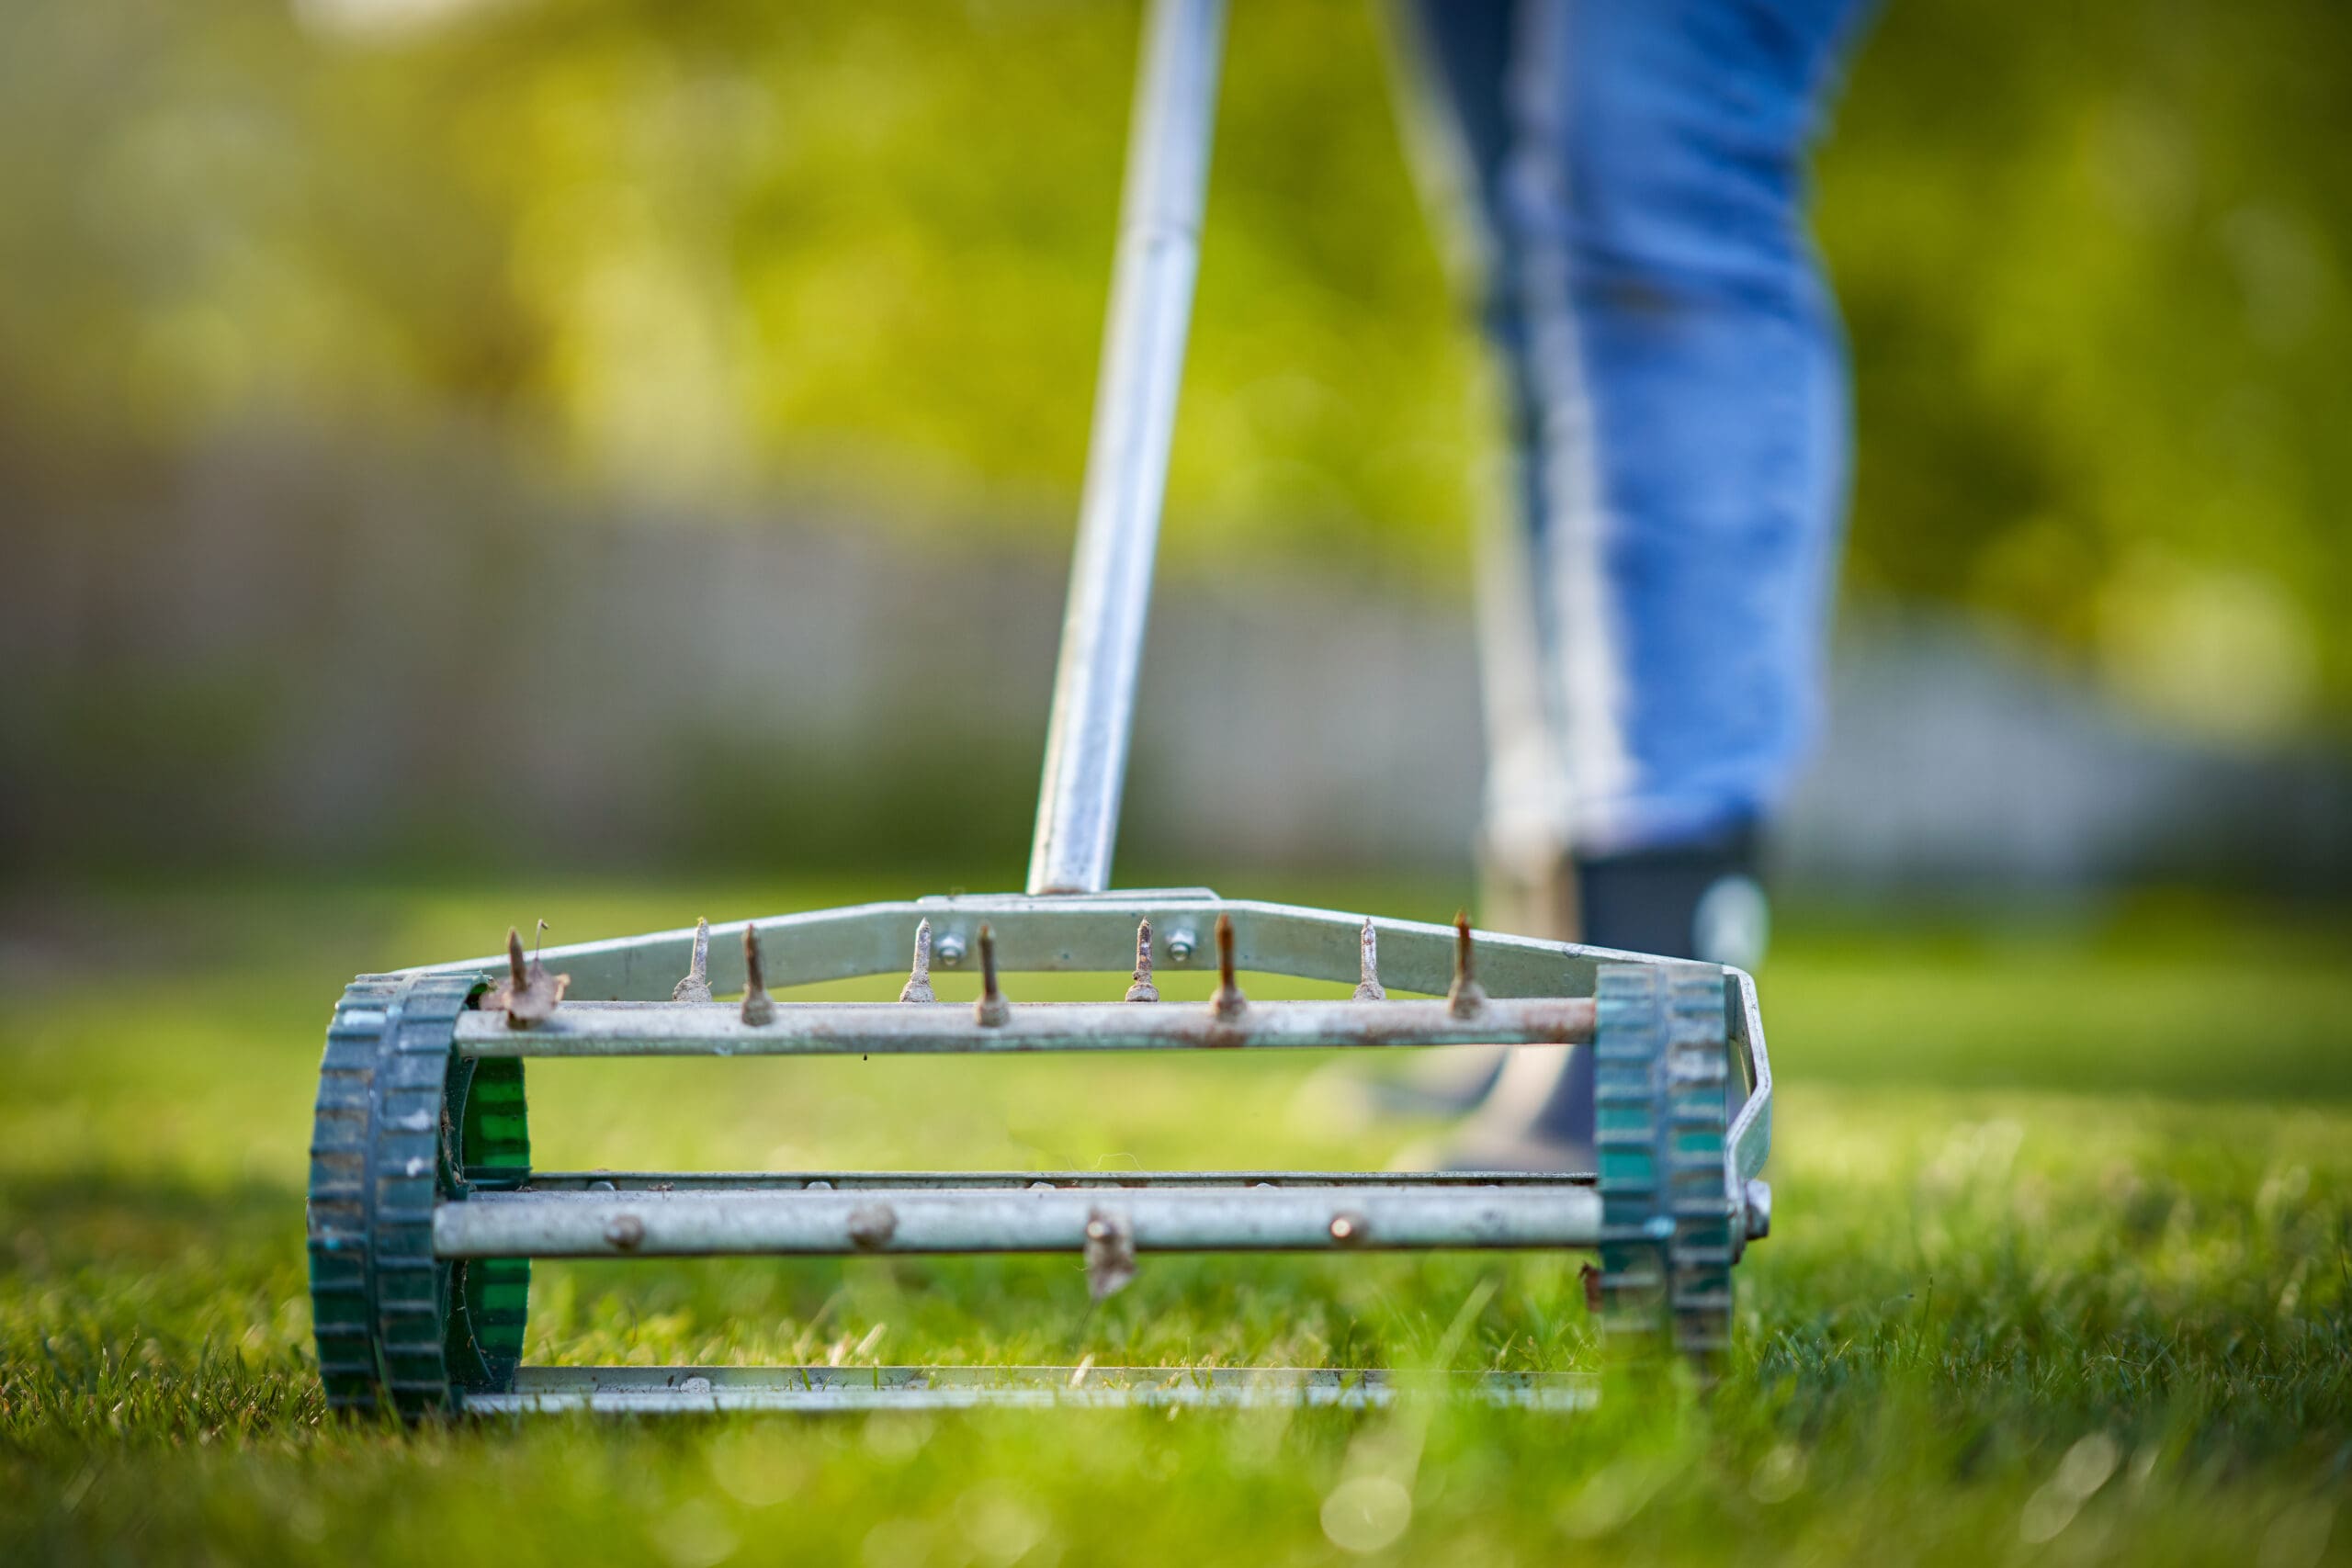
[2095,279]
[2093,256]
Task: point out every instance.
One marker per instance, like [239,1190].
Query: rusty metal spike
[918,986]
[695,987]
[758,1006]
[1368,986]
[528,993]
[1465,997]
[1228,1002]
[991,1010]
[1143,990]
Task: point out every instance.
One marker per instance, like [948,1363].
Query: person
[1628,181]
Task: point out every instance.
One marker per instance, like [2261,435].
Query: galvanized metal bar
[689,1391]
[1041,1219]
[1126,464]
[1085,1180]
[838,1029]
[1068,935]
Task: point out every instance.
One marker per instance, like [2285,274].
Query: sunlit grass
[2062,1269]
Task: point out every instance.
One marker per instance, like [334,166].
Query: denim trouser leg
[1635,171]
[1632,173]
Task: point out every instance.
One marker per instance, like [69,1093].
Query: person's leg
[1454,68]
[1688,391]
[1458,58]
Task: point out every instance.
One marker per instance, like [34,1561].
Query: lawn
[2062,1272]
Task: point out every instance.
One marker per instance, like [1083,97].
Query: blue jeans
[1632,178]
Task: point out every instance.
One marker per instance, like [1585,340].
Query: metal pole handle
[1126,463]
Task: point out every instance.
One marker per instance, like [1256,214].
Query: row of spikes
[530,993]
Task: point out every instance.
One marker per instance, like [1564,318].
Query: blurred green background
[516,275]
[2093,256]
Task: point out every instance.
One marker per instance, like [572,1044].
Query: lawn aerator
[424,1209]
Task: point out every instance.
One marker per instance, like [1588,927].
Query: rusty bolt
[624,1232]
[1228,1002]
[1110,1252]
[1465,996]
[872,1224]
[991,1010]
[758,1007]
[529,993]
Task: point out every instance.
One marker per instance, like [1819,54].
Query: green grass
[2063,1273]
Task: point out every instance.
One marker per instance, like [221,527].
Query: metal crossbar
[1173,1215]
[635,1029]
[1111,1182]
[686,1390]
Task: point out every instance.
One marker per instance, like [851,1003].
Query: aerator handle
[1126,462]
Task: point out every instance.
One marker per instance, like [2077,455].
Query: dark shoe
[1699,900]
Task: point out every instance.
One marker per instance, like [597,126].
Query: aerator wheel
[403,1121]
[1661,1043]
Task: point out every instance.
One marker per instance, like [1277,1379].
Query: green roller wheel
[404,1122]
[1662,1053]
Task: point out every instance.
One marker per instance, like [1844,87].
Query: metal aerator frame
[425,1211]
